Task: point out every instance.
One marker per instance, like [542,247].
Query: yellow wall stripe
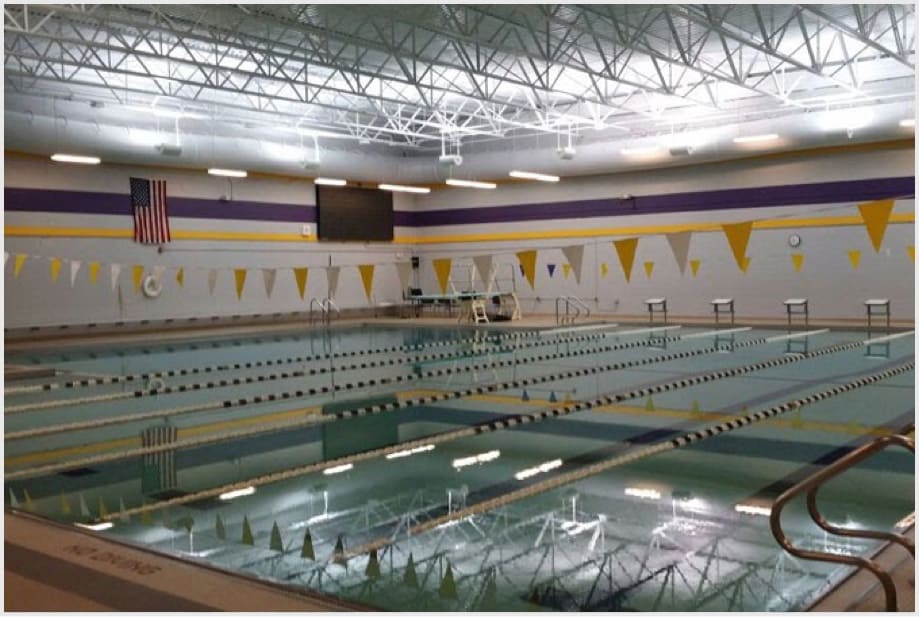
[13,231]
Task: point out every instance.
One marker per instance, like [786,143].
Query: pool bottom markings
[345,414]
[495,425]
[295,394]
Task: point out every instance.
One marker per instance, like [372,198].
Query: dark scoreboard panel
[353,214]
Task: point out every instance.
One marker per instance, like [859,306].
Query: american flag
[151,218]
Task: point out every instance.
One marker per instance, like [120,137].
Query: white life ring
[152,286]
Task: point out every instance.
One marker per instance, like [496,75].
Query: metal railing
[812,485]
[570,302]
[324,306]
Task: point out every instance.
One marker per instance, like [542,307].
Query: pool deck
[51,567]
[41,339]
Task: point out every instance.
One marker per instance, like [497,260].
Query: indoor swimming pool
[464,469]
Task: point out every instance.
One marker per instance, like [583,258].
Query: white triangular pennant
[332,275]
[211,281]
[405,274]
[484,265]
[679,244]
[74,268]
[269,275]
[14,503]
[84,509]
[115,270]
[575,256]
[158,272]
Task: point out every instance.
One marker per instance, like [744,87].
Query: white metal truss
[409,74]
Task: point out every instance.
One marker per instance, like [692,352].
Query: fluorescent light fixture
[229,173]
[330,181]
[96,526]
[642,493]
[744,508]
[484,457]
[398,188]
[532,471]
[472,184]
[644,151]
[529,175]
[240,492]
[752,139]
[338,469]
[75,158]
[908,123]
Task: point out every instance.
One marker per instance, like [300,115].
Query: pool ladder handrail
[570,301]
[325,306]
[812,484]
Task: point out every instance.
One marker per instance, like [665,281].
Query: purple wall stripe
[82,202]
[79,202]
[760,197]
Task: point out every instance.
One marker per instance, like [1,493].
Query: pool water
[149,437]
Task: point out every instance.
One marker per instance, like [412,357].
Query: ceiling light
[241,492]
[229,173]
[529,175]
[643,151]
[338,469]
[403,189]
[472,184]
[75,158]
[750,139]
[330,181]
[908,123]
[96,526]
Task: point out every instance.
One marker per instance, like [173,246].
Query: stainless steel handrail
[812,485]
[570,301]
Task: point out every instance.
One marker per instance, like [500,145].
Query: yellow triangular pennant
[55,268]
[855,258]
[367,278]
[93,272]
[745,264]
[649,268]
[442,268]
[527,260]
[911,249]
[18,263]
[604,269]
[694,266]
[240,275]
[797,259]
[300,275]
[566,269]
[180,277]
[738,235]
[876,214]
[138,276]
[626,251]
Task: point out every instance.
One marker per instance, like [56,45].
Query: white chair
[723,305]
[656,305]
[881,306]
[796,306]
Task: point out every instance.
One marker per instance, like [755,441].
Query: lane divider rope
[116,379]
[250,379]
[287,395]
[486,427]
[644,452]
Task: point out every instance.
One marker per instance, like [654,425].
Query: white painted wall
[834,288]
[31,299]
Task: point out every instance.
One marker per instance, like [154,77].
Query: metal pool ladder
[570,302]
[812,485]
[324,306]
